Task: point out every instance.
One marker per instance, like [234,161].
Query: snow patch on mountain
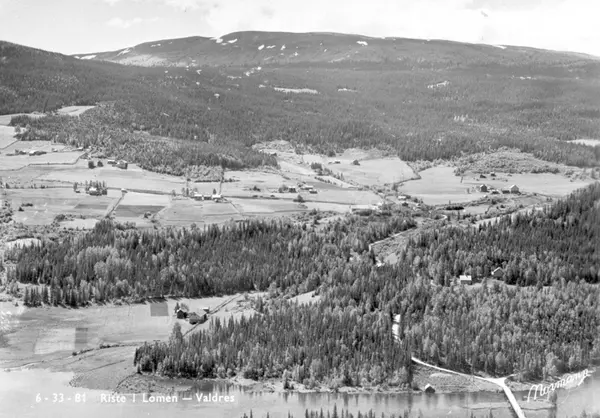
[87,57]
[286,90]
[125,51]
[232,41]
[363,43]
[261,47]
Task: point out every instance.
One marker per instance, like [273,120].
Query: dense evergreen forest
[223,111]
[562,241]
[345,338]
[112,262]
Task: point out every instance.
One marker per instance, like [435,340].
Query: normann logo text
[570,381]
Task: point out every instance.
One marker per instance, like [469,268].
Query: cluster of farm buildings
[192,317]
[466,279]
[484,188]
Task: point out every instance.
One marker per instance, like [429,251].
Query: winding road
[500,381]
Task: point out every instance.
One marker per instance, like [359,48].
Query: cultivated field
[439,185]
[133,178]
[17,162]
[56,330]
[373,169]
[7,137]
[35,145]
[50,202]
[73,110]
[134,205]
[185,212]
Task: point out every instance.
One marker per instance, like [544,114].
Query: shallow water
[18,390]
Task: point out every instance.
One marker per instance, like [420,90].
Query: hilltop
[285,48]
[328,92]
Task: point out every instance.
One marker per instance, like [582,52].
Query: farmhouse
[292,190]
[197,196]
[312,191]
[122,164]
[513,189]
[217,197]
[181,314]
[94,191]
[497,272]
[206,309]
[194,318]
[111,162]
[465,279]
[482,188]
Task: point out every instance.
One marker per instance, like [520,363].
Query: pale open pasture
[439,185]
[73,110]
[134,198]
[50,202]
[185,212]
[17,162]
[133,178]
[47,146]
[589,142]
[7,137]
[266,206]
[38,332]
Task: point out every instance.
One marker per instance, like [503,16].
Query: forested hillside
[562,241]
[440,108]
[346,338]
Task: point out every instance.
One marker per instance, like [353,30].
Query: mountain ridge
[258,47]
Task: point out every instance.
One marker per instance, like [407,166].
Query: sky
[82,26]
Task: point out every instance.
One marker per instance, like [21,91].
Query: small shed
[514,189]
[181,314]
[206,309]
[122,164]
[428,388]
[482,188]
[194,318]
[497,272]
[312,191]
[465,279]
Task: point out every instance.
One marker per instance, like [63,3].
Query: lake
[18,390]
